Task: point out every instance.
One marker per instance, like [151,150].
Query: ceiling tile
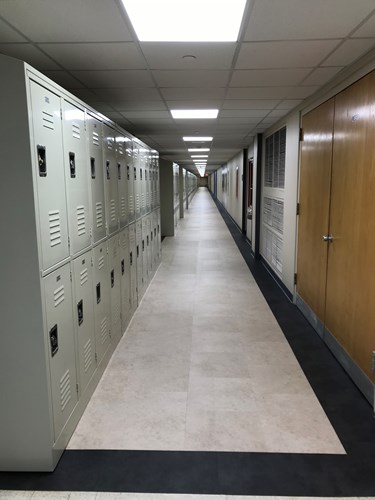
[320,76]
[30,54]
[277,113]
[147,115]
[367,29]
[138,105]
[258,93]
[86,95]
[113,79]
[103,107]
[239,121]
[305,19]
[95,56]
[269,77]
[250,104]
[170,55]
[349,51]
[8,34]
[305,54]
[146,93]
[244,113]
[192,93]
[67,21]
[64,79]
[289,104]
[191,78]
[193,104]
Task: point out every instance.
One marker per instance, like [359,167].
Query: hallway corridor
[219,387]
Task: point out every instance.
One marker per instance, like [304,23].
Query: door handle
[328,238]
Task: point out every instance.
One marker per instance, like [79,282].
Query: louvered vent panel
[274,171]
[112,211]
[95,138]
[81,220]
[137,203]
[267,211]
[65,390]
[120,148]
[59,295]
[101,262]
[124,243]
[84,276]
[76,131]
[273,250]
[104,333]
[123,206]
[87,355]
[131,204]
[99,214]
[278,215]
[48,120]
[54,227]
[143,200]
[110,142]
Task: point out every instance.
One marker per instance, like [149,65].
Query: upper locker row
[92,180]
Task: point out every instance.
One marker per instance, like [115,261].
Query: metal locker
[121,155]
[61,345]
[145,266]
[153,185]
[74,140]
[102,311]
[149,247]
[139,253]
[95,168]
[157,184]
[136,179]
[110,180]
[148,181]
[130,180]
[114,278]
[142,181]
[133,267]
[83,313]
[158,236]
[49,175]
[125,279]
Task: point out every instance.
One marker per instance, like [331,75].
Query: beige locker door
[125,278]
[84,318]
[102,308]
[313,223]
[49,175]
[133,266]
[139,255]
[115,285]
[61,345]
[110,180]
[350,303]
[121,145]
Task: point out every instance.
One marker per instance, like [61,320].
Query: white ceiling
[287,49]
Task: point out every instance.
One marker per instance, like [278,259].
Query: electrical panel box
[115,285]
[76,177]
[83,314]
[102,308]
[49,174]
[110,179]
[96,173]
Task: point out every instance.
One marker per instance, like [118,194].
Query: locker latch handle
[137,250]
[93,168]
[119,171]
[53,338]
[98,298]
[80,312]
[143,245]
[42,162]
[107,170]
[131,258]
[123,267]
[148,241]
[128,172]
[112,278]
[72,164]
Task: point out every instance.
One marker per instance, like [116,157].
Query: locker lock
[53,338]
[80,312]
[107,170]
[93,169]
[98,298]
[42,163]
[112,278]
[123,267]
[131,258]
[119,171]
[72,165]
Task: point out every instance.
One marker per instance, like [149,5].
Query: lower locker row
[88,305]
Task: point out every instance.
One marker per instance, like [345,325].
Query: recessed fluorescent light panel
[188,114]
[197,139]
[186,20]
[199,156]
[198,150]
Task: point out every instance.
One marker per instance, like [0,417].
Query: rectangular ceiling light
[186,20]
[197,139]
[188,114]
[199,156]
[198,150]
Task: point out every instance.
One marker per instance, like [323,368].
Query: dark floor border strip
[240,473]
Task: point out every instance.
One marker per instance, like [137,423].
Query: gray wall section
[166,197]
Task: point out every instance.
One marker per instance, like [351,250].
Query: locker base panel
[361,380]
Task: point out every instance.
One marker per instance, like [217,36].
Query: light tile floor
[204,365]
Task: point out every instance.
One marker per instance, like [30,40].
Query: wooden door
[350,297]
[315,184]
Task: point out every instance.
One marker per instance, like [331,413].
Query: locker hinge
[71,276]
[295,278]
[92,262]
[69,241]
[77,389]
[61,114]
[301,134]
[90,232]
[298,208]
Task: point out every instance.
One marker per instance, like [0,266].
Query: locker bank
[96,171]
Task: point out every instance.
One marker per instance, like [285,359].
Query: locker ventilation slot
[99,214]
[120,149]
[54,227]
[123,206]
[87,355]
[95,139]
[65,390]
[84,276]
[59,296]
[113,211]
[101,262]
[131,204]
[104,334]
[137,203]
[76,131]
[143,200]
[110,143]
[81,220]
[273,213]
[48,121]
[273,248]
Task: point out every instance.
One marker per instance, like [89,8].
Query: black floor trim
[241,473]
